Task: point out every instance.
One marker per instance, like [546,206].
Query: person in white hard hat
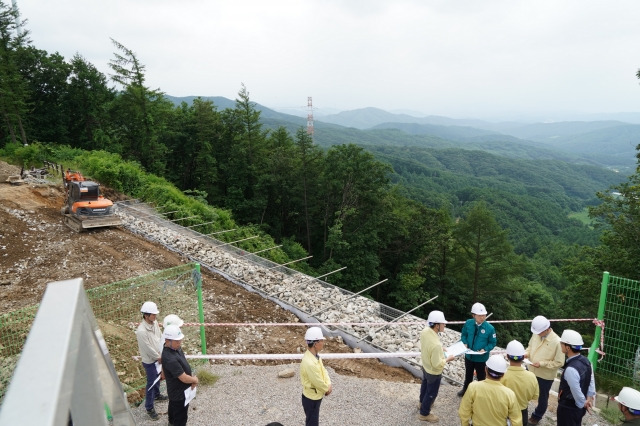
[433,362]
[522,382]
[316,383]
[489,402]
[149,343]
[177,372]
[577,386]
[546,357]
[479,336]
[172,319]
[629,405]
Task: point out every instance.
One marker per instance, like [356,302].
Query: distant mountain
[607,143]
[223,103]
[447,132]
[547,132]
[219,101]
[367,118]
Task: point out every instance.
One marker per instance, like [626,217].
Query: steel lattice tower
[310,116]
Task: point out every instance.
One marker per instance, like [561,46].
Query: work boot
[152,413]
[461,393]
[161,397]
[533,421]
[431,418]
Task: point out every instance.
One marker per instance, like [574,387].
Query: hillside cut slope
[37,248]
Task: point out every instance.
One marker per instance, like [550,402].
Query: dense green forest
[466,225]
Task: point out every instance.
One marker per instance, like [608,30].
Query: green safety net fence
[620,310]
[116,307]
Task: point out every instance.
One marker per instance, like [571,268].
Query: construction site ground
[37,248]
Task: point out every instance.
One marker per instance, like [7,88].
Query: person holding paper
[546,357]
[150,343]
[433,362]
[177,372]
[479,336]
[522,382]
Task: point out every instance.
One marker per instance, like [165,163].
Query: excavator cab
[84,206]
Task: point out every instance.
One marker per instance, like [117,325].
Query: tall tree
[619,218]
[278,184]
[310,161]
[355,186]
[13,87]
[86,105]
[46,76]
[483,257]
[141,113]
[245,143]
[198,166]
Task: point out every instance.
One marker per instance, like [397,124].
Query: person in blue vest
[479,336]
[577,386]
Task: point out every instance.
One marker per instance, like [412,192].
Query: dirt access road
[37,248]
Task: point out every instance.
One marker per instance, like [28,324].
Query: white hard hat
[571,337]
[172,319]
[436,317]
[629,397]
[497,364]
[172,332]
[515,349]
[313,334]
[149,308]
[478,309]
[539,324]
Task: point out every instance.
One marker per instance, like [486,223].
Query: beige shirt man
[545,354]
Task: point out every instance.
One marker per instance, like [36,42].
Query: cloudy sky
[487,59]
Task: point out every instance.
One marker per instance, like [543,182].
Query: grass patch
[206,378]
[612,415]
[582,216]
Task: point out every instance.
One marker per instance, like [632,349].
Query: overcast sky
[487,59]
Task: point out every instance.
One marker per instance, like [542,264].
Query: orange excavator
[84,207]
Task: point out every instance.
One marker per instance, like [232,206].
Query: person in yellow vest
[433,361]
[315,380]
[522,382]
[629,405]
[489,402]
[546,358]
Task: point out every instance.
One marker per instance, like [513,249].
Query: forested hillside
[417,211]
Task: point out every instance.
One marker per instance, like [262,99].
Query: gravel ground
[254,395]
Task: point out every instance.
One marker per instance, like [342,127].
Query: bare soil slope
[37,248]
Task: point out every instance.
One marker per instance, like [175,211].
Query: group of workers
[503,390]
[162,355]
[500,394]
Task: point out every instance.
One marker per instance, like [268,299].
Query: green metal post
[203,339]
[593,355]
[107,412]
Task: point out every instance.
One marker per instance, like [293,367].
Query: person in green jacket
[479,336]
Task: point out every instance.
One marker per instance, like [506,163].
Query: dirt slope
[37,248]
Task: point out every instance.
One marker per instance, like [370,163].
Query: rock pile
[301,291]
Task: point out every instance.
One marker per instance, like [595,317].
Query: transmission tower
[310,117]
[18,26]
